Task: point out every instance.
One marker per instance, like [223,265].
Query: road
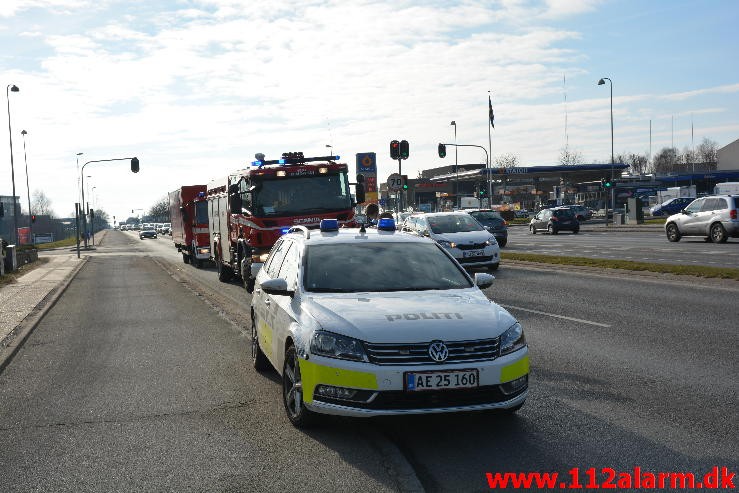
[651,246]
[139,378]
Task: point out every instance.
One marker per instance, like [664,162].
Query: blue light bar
[329,225]
[336,158]
[386,224]
[284,230]
[282,161]
[256,163]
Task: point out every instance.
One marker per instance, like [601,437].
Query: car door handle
[267,302]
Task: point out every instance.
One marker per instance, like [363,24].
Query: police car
[373,322]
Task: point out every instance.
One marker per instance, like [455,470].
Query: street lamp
[79,193]
[8,90]
[613,201]
[456,166]
[28,189]
[329,146]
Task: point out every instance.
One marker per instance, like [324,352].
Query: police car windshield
[370,267]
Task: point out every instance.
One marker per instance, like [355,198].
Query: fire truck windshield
[201,212]
[293,196]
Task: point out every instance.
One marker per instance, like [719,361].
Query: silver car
[460,234]
[713,217]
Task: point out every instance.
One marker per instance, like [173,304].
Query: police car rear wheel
[292,391]
[259,360]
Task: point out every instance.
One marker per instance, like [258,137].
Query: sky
[194,88]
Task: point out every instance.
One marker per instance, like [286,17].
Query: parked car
[554,220]
[672,206]
[375,322]
[464,238]
[713,217]
[493,222]
[148,233]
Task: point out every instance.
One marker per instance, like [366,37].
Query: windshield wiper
[331,290]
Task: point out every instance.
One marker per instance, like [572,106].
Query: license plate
[473,253]
[436,380]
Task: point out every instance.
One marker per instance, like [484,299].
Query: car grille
[430,399]
[418,353]
[469,260]
[474,246]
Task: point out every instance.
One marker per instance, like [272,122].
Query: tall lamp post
[613,201]
[8,90]
[456,166]
[28,189]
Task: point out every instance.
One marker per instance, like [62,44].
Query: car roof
[353,235]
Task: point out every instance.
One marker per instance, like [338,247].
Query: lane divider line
[554,315]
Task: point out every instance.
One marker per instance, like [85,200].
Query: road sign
[394,182]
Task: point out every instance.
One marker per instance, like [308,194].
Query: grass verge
[11,277]
[56,244]
[685,270]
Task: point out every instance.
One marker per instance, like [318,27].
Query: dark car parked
[672,206]
[493,222]
[555,220]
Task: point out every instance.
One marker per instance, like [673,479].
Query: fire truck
[188,212]
[248,210]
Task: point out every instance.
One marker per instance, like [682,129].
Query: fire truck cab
[250,209]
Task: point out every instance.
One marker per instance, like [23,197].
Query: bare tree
[507,160]
[665,161]
[707,151]
[160,210]
[41,205]
[569,157]
[637,162]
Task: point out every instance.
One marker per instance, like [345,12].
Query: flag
[490,111]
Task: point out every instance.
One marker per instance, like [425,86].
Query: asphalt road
[650,246]
[139,378]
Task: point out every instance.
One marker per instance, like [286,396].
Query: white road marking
[554,315]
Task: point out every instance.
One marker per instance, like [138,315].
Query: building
[7,212]
[728,156]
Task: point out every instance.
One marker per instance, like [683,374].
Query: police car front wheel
[292,391]
[259,360]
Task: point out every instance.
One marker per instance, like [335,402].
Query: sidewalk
[23,303]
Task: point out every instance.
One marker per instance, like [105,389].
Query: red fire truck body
[188,212]
[250,209]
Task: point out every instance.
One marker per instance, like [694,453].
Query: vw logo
[438,351]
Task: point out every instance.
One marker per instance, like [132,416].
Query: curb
[17,337]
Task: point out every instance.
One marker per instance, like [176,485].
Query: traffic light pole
[400,192]
[487,167]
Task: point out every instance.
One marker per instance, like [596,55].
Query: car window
[453,223]
[721,204]
[380,266]
[290,267]
[695,206]
[710,205]
[562,213]
[276,257]
[486,216]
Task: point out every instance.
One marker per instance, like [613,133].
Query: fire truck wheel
[185,258]
[249,284]
[198,263]
[224,273]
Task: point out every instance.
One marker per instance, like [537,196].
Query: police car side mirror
[483,280]
[276,286]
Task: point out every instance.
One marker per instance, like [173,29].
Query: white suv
[376,322]
[714,217]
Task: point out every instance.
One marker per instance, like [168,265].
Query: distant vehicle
[521,213]
[582,213]
[376,323]
[554,220]
[726,188]
[137,227]
[148,233]
[493,222]
[713,217]
[671,206]
[460,234]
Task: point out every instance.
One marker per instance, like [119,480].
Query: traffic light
[135,165]
[404,149]
[33,218]
[404,181]
[604,183]
[394,149]
[442,151]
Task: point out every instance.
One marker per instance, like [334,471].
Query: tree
[41,205]
[160,210]
[708,151]
[569,157]
[665,160]
[637,162]
[507,160]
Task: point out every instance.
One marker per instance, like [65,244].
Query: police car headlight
[512,339]
[491,241]
[335,346]
[447,244]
